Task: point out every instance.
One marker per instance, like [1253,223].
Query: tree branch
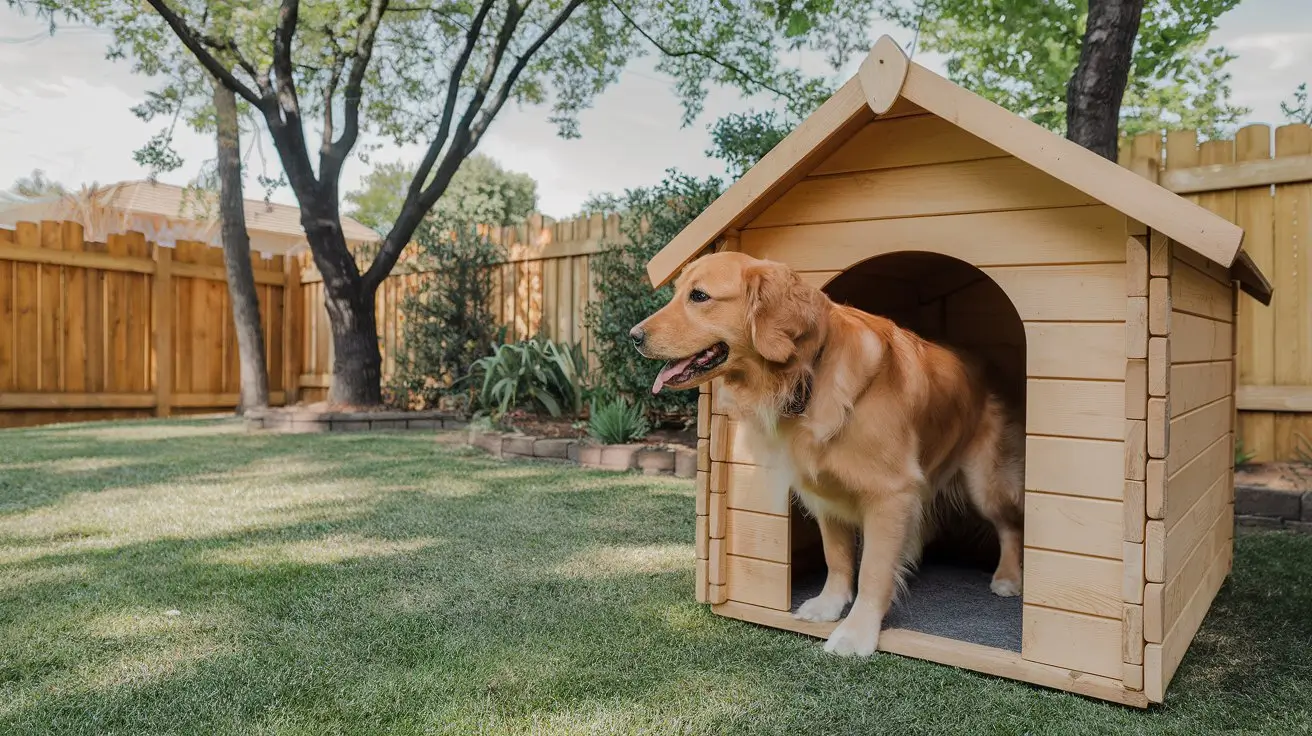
[284,121]
[334,154]
[192,41]
[702,55]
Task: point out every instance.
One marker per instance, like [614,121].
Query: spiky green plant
[535,374]
[616,422]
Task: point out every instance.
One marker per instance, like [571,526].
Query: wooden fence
[543,288]
[123,328]
[1263,183]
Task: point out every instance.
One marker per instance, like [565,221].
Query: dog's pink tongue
[668,372]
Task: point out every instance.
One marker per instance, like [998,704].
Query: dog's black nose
[638,335]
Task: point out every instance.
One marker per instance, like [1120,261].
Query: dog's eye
[698,295]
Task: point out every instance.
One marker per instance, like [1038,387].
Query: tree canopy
[481,192]
[1020,54]
[37,185]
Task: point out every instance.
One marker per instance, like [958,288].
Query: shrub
[650,219]
[535,374]
[448,323]
[616,422]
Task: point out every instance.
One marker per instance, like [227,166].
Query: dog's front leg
[884,531]
[839,541]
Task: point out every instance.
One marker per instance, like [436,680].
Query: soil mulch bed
[1274,495]
[325,417]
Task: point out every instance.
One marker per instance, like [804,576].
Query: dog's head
[729,311]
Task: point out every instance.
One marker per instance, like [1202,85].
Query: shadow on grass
[379,584]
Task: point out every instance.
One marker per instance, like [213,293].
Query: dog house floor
[944,600]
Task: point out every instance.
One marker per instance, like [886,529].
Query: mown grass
[188,578]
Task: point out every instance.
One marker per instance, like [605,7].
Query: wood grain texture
[1136,327]
[1195,431]
[906,141]
[1075,293]
[1088,409]
[1133,503]
[751,488]
[1074,640]
[1162,660]
[1075,467]
[1132,572]
[759,582]
[1136,389]
[1164,602]
[1075,350]
[763,536]
[988,185]
[1051,236]
[1194,385]
[1132,640]
[1196,293]
[1178,491]
[1073,582]
[1071,524]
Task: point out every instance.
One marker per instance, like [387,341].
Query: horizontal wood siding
[906,141]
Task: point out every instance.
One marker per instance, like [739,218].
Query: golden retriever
[870,423]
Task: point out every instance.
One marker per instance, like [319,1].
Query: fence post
[291,327]
[163,320]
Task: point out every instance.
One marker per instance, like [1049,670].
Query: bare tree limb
[334,154]
[675,53]
[284,121]
[191,40]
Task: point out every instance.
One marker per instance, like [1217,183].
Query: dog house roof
[886,78]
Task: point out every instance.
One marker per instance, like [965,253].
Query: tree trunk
[1093,96]
[237,256]
[357,362]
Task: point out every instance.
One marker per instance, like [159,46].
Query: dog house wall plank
[1132,579]
[1159,306]
[1136,327]
[1136,388]
[1073,293]
[1132,641]
[1136,261]
[751,488]
[1133,505]
[951,188]
[763,536]
[1175,494]
[1193,385]
[703,543]
[1051,236]
[759,582]
[1199,294]
[1159,426]
[1195,431]
[1198,339]
[1074,467]
[727,443]
[906,141]
[1076,641]
[703,493]
[1087,526]
[1136,449]
[1089,409]
[704,416]
[1076,350]
[702,582]
[1073,582]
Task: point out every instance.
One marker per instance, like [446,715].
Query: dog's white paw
[1005,588]
[853,639]
[822,608]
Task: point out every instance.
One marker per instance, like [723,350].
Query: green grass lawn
[185,577]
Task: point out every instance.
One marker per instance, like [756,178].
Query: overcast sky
[65,109]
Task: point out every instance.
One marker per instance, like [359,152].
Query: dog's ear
[780,309]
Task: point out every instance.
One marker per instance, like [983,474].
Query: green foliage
[1020,54]
[1243,456]
[1298,109]
[536,374]
[616,422]
[481,192]
[625,293]
[447,324]
[742,139]
[37,185]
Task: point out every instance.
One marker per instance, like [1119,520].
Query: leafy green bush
[650,218]
[448,324]
[616,422]
[535,374]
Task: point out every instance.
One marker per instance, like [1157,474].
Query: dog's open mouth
[679,372]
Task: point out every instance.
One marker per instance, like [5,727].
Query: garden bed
[651,458]
[560,428]
[316,418]
[1274,495]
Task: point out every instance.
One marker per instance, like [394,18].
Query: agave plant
[617,421]
[537,373]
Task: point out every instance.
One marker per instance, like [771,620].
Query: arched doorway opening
[954,303]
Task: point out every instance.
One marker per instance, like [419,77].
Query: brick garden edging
[680,462]
[301,420]
[1274,495]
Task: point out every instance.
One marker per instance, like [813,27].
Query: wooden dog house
[1104,303]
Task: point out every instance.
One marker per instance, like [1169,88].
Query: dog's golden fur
[893,425]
